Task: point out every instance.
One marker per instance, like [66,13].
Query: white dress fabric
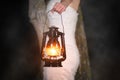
[70,65]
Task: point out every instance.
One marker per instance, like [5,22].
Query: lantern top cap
[53,27]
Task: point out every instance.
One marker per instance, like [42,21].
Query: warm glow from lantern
[53,48]
[53,51]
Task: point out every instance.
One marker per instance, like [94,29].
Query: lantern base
[53,64]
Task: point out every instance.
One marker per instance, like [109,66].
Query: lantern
[53,48]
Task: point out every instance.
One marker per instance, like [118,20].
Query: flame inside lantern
[53,49]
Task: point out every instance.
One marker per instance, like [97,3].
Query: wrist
[65,2]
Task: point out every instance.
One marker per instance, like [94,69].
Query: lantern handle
[61,20]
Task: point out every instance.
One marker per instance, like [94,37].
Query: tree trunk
[84,72]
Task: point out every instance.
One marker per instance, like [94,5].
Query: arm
[66,2]
[75,4]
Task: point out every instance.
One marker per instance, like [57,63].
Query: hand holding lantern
[53,48]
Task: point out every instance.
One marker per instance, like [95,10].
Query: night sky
[19,53]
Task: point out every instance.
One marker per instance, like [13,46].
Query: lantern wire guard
[53,50]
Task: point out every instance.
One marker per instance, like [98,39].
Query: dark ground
[19,54]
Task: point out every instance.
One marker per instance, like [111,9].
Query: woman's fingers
[58,7]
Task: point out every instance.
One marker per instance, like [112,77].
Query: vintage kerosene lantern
[53,48]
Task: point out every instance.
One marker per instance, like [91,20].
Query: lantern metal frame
[53,34]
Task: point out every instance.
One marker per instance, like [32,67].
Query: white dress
[70,65]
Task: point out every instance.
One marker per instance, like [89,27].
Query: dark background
[19,53]
[102,27]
